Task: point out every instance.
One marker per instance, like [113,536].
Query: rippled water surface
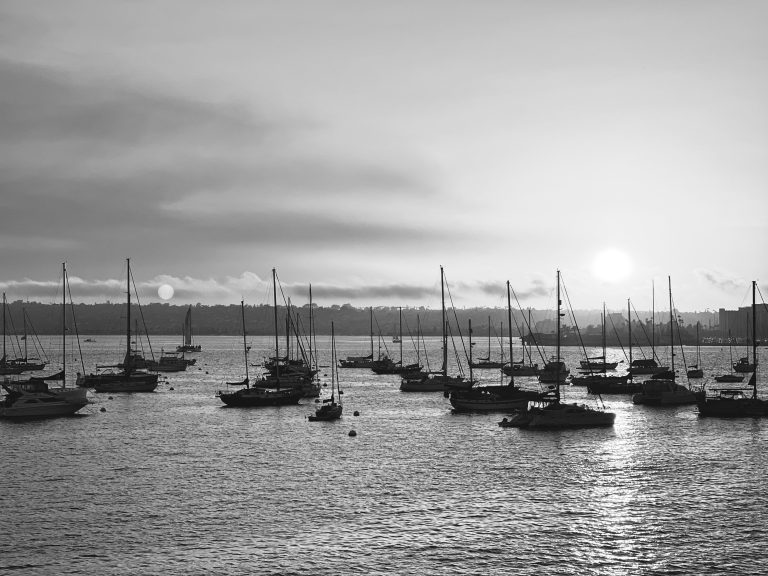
[173,482]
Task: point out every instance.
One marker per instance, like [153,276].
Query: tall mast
[311,350]
[671,331]
[418,335]
[509,322]
[471,377]
[274,306]
[245,344]
[127,361]
[63,320]
[445,333]
[629,334]
[604,358]
[400,335]
[371,317]
[754,341]
[24,318]
[4,327]
[653,320]
[530,358]
[557,347]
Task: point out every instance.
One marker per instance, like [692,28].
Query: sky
[359,146]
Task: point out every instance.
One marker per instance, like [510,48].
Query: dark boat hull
[119,382]
[253,397]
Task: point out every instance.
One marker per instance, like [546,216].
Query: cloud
[721,280]
[97,165]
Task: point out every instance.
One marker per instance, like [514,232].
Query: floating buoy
[206,371]
[352,433]
[356,413]
[325,385]
[110,398]
[103,409]
[171,388]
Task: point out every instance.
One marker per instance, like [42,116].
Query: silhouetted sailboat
[186,333]
[130,378]
[33,398]
[657,391]
[331,408]
[252,396]
[734,402]
[552,413]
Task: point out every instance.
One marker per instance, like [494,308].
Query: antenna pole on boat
[671,330]
[4,360]
[445,332]
[509,321]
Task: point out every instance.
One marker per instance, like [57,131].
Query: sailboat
[486,363]
[657,391]
[598,381]
[249,396]
[695,370]
[439,381]
[287,371]
[360,361]
[500,398]
[387,366]
[330,409]
[129,378]
[598,363]
[642,366]
[520,368]
[33,398]
[186,332]
[6,366]
[734,402]
[732,377]
[551,412]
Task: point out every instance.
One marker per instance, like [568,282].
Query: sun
[611,265]
[165,291]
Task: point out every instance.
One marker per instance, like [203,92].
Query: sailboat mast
[311,349]
[671,331]
[274,306]
[471,377]
[754,341]
[445,332]
[653,319]
[629,335]
[4,327]
[63,320]
[557,347]
[400,335]
[371,319]
[245,344]
[604,358]
[128,312]
[509,322]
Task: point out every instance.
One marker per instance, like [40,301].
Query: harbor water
[173,482]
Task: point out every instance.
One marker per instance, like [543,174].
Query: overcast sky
[360,145]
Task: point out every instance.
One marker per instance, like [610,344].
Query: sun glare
[611,265]
[165,291]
